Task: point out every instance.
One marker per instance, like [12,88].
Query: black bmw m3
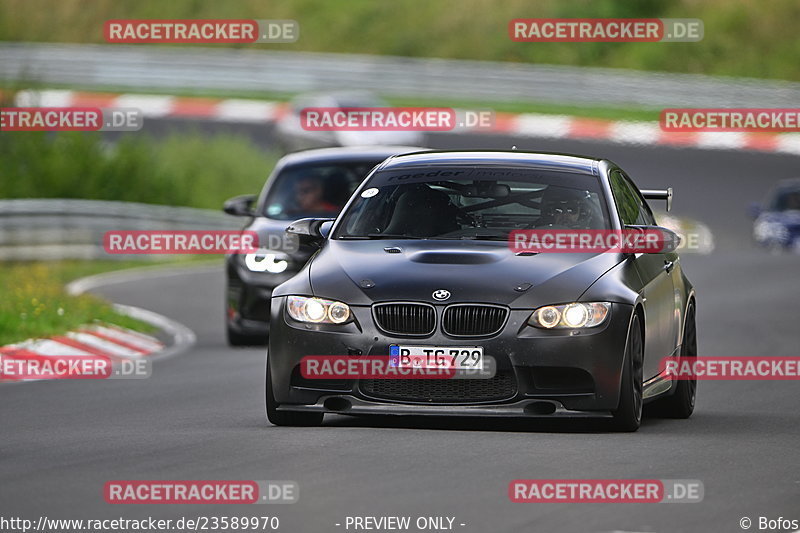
[418,268]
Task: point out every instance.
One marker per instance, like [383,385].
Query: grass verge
[34,302]
[192,169]
[741,37]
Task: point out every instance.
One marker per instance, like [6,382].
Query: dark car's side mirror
[754,209]
[240,206]
[658,239]
[311,230]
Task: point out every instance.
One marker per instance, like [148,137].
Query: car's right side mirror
[754,209]
[311,230]
[655,239]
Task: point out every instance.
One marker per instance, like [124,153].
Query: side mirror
[311,230]
[240,206]
[655,240]
[754,209]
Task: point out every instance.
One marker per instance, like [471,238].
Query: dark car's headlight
[266,261]
[317,310]
[571,316]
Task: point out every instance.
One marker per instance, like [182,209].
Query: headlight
[570,316]
[317,310]
[266,261]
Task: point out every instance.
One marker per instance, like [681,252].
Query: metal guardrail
[43,229]
[174,68]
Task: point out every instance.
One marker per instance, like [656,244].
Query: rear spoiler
[659,194]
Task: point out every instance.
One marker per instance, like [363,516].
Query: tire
[628,416]
[680,404]
[287,418]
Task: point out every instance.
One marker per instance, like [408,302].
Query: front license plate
[456,357]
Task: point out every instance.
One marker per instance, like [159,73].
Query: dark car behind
[332,175]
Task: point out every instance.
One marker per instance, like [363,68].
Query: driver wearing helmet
[567,208]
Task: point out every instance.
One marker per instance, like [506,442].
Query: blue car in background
[777,220]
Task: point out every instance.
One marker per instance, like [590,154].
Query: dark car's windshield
[483,203]
[786,200]
[316,189]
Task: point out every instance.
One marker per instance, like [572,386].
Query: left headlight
[317,310]
[266,261]
[570,316]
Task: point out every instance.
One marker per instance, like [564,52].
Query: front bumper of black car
[248,296]
[539,372]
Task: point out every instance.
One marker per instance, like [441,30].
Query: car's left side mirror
[656,239]
[240,206]
[311,230]
[754,209]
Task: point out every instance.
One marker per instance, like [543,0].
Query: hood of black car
[365,272]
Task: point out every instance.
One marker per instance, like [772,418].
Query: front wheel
[628,416]
[681,403]
[287,418]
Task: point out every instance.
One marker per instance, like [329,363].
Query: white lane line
[182,337]
[79,286]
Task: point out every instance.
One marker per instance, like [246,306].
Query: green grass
[742,38]
[183,170]
[34,303]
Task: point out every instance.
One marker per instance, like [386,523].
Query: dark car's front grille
[502,386]
[473,320]
[405,318]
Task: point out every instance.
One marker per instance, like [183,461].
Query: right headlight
[317,310]
[570,316]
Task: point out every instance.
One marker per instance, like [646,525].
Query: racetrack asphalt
[201,414]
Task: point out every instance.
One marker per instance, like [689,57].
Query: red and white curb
[93,342]
[524,124]
[106,341]
[159,106]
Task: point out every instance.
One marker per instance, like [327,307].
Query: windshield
[787,200]
[313,190]
[472,203]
